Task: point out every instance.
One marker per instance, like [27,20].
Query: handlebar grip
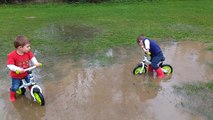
[41,64]
[17,72]
[149,53]
[28,69]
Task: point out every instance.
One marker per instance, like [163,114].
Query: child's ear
[19,47]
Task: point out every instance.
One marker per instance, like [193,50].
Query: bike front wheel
[138,68]
[39,98]
[167,69]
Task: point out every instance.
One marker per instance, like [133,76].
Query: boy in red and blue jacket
[18,60]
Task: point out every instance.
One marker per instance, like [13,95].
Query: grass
[191,88]
[197,98]
[115,24]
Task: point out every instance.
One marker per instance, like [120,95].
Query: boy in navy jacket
[153,49]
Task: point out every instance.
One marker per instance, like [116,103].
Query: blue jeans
[156,59]
[18,82]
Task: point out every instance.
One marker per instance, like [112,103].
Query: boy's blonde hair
[21,40]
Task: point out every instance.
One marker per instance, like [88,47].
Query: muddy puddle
[89,90]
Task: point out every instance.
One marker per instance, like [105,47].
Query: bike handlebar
[145,59]
[28,69]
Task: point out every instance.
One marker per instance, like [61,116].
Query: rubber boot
[12,96]
[160,73]
[150,69]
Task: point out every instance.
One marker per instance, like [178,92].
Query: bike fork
[34,88]
[142,68]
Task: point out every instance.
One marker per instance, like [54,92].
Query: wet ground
[90,90]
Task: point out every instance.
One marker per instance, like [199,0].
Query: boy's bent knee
[155,67]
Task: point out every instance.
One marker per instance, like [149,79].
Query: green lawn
[59,29]
[197,98]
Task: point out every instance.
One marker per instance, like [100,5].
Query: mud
[100,90]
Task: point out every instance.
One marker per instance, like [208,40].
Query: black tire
[168,68]
[21,91]
[39,98]
[136,70]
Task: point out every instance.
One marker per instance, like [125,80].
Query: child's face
[25,48]
[141,43]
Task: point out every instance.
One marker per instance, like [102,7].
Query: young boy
[18,60]
[152,48]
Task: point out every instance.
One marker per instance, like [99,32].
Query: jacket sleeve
[13,67]
[34,60]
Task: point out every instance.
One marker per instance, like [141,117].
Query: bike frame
[32,82]
[146,61]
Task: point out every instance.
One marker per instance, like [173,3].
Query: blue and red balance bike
[142,67]
[35,91]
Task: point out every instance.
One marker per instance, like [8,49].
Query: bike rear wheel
[168,68]
[137,69]
[21,91]
[39,98]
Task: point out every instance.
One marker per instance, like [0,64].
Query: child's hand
[38,64]
[21,70]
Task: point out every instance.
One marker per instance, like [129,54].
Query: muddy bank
[106,88]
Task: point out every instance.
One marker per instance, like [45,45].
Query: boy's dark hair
[140,37]
[21,40]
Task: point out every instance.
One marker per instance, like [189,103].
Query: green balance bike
[35,91]
[142,67]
